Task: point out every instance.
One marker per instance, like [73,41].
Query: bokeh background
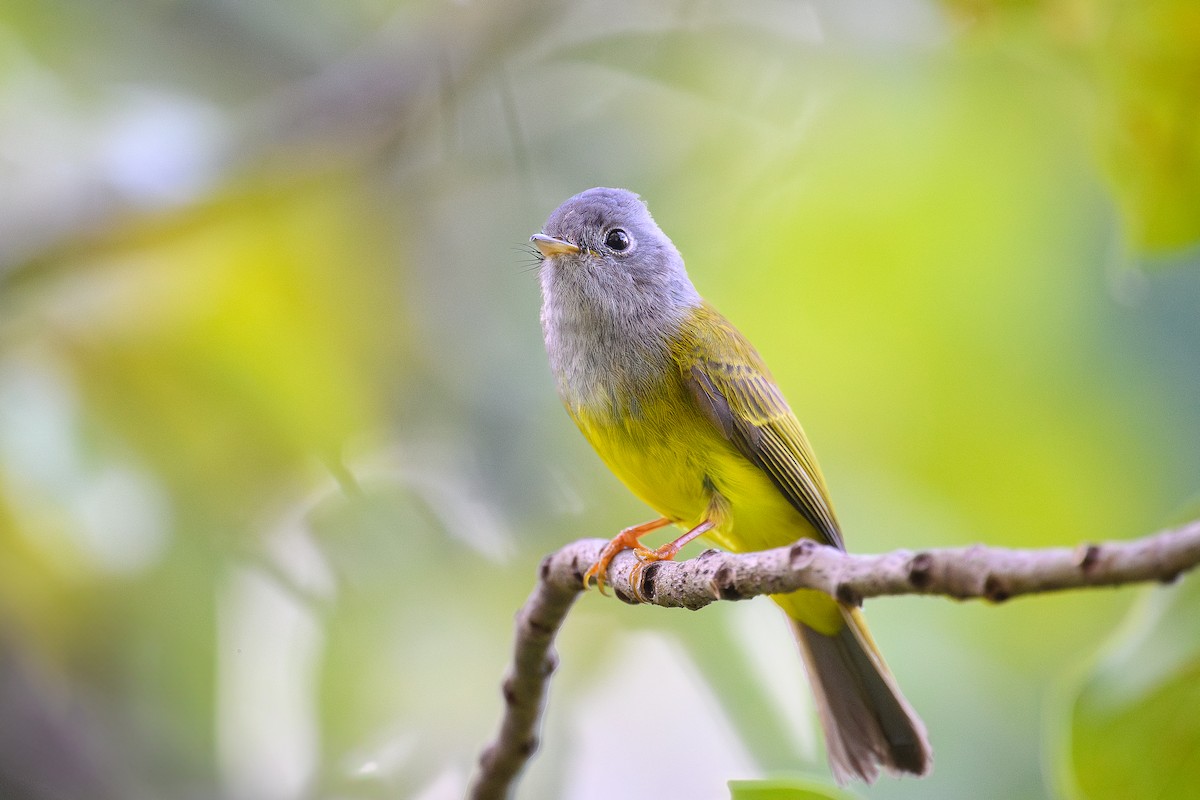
[280,452]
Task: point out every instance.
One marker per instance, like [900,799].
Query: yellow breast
[673,458]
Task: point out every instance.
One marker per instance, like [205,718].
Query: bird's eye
[617,239]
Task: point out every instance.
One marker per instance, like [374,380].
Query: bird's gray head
[602,249]
[614,288]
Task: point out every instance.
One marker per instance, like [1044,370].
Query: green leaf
[786,789]
[1134,725]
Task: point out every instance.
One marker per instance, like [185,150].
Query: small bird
[683,410]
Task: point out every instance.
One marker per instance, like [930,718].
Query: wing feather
[735,390]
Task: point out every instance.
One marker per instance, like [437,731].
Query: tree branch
[963,573]
[534,659]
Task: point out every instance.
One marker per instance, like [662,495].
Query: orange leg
[628,540]
[668,550]
[664,553]
[625,540]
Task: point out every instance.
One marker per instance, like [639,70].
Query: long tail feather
[867,721]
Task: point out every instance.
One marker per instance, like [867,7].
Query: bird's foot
[625,540]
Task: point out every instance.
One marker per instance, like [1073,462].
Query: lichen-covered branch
[963,573]
[991,573]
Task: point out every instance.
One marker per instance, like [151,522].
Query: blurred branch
[963,573]
[355,108]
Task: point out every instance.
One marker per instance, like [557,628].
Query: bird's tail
[867,721]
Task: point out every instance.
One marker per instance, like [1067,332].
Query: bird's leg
[668,550]
[715,515]
[625,540]
[665,553]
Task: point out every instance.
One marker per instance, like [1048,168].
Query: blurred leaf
[786,789]
[1150,129]
[1143,66]
[1135,723]
[748,701]
[232,344]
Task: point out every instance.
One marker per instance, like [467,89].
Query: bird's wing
[733,387]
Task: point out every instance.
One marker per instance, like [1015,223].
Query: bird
[683,410]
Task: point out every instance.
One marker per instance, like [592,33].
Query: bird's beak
[549,246]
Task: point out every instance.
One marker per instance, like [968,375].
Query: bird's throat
[606,364]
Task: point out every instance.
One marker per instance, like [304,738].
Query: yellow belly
[673,458]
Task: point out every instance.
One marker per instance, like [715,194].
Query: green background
[280,452]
